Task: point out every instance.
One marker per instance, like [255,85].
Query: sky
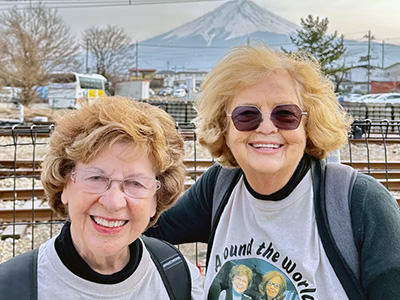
[352,18]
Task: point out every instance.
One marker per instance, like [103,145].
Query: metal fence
[183,111]
[26,220]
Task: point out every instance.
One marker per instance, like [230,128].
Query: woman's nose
[114,198]
[266,126]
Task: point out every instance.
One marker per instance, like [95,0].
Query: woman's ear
[64,198]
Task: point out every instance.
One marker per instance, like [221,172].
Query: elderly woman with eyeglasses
[272,286]
[112,167]
[274,118]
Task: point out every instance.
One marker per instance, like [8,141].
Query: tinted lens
[246,118]
[287,116]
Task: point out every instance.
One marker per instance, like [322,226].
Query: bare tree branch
[109,49]
[33,44]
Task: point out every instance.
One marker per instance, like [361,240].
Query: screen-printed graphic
[251,279]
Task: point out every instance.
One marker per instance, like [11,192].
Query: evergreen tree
[327,49]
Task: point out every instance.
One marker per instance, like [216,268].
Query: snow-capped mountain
[201,43]
[234,19]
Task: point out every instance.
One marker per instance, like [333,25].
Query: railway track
[377,169]
[386,173]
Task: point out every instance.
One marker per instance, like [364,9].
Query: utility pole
[137,60]
[87,56]
[369,57]
[383,53]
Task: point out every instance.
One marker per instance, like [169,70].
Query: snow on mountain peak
[233,19]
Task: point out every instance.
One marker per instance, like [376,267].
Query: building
[380,80]
[141,74]
[182,78]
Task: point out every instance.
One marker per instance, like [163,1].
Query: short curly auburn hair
[80,135]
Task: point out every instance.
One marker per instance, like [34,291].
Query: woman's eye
[134,184]
[97,178]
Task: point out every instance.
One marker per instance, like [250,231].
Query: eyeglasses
[98,183]
[284,116]
[273,285]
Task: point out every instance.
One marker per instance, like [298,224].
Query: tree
[313,40]
[34,43]
[109,50]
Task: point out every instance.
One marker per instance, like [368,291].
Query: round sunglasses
[283,116]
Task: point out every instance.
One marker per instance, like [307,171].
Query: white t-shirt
[56,282]
[277,236]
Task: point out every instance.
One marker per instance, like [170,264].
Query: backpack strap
[339,184]
[337,189]
[224,184]
[172,267]
[18,276]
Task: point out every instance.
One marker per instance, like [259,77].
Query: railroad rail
[30,167]
[387,173]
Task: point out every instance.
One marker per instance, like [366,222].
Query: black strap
[18,277]
[172,267]
[225,182]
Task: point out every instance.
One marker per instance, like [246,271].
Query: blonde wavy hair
[327,123]
[282,286]
[80,135]
[241,270]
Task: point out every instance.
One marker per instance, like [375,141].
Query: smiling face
[103,225]
[240,283]
[267,152]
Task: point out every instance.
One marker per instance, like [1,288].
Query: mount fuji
[201,43]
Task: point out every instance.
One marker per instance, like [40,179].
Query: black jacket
[375,217]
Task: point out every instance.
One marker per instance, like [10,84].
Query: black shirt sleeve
[376,228]
[189,220]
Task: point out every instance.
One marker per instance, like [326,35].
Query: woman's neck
[96,272]
[277,188]
[105,265]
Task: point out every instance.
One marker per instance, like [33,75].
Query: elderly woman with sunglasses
[112,167]
[275,118]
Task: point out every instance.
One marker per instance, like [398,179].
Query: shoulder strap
[224,184]
[18,276]
[339,184]
[337,190]
[172,267]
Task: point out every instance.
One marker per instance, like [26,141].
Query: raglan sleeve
[197,292]
[189,220]
[376,227]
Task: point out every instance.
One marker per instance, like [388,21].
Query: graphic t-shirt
[267,249]
[55,281]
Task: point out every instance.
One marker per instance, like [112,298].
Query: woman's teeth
[273,146]
[106,223]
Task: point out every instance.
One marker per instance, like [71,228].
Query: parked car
[388,98]
[167,91]
[368,98]
[179,93]
[349,97]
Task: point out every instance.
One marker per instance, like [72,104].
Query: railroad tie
[16,233]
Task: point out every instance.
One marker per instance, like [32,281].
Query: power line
[90,3]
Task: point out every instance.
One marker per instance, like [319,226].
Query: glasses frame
[260,117]
[121,183]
